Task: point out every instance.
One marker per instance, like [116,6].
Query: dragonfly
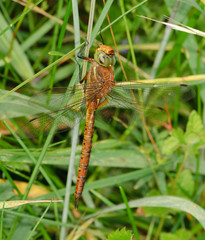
[99,90]
[85,100]
[101,75]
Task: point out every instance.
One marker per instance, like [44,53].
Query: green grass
[146,172]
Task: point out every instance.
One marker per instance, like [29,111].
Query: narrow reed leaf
[129,213]
[185,28]
[17,203]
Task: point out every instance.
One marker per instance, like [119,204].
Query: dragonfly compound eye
[101,58]
[113,60]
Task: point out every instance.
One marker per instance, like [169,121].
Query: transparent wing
[124,97]
[158,108]
[58,104]
[65,105]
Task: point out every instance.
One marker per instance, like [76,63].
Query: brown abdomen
[86,150]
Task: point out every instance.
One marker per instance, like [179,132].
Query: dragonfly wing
[63,118]
[63,107]
[52,99]
[158,99]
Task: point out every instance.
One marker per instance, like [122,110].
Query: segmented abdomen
[86,150]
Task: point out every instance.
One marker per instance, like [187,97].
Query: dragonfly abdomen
[86,150]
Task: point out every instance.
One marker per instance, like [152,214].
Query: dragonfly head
[105,56]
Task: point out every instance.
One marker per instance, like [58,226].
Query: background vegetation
[156,157]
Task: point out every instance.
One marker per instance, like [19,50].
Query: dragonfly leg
[83,48]
[81,52]
[84,58]
[80,71]
[81,81]
[103,103]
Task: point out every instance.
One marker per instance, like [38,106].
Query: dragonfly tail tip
[76,202]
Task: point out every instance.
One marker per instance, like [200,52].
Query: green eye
[104,59]
[113,60]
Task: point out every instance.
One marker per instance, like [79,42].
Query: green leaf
[22,230]
[129,158]
[183,234]
[167,236]
[170,145]
[15,105]
[201,236]
[55,53]
[155,211]
[173,142]
[19,60]
[202,93]
[191,46]
[185,185]
[179,134]
[160,201]
[194,129]
[194,123]
[6,191]
[122,234]
[180,234]
[183,7]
